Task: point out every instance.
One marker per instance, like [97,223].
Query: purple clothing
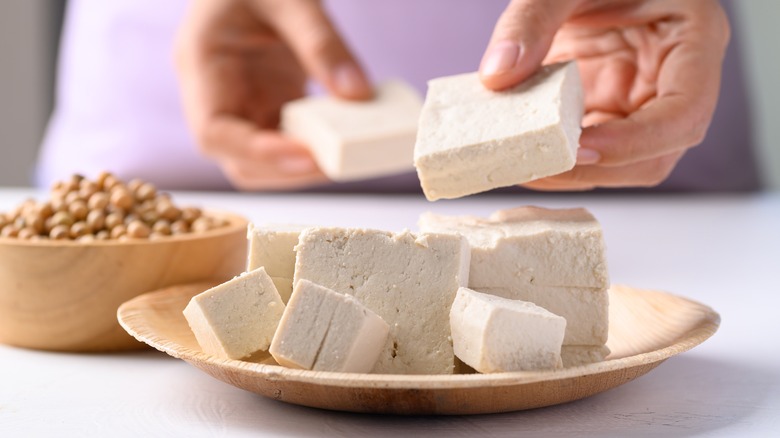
[118,106]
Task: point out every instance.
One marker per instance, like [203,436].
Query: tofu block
[323,330]
[271,247]
[284,287]
[576,355]
[530,247]
[408,280]
[353,140]
[236,318]
[493,334]
[471,139]
[586,310]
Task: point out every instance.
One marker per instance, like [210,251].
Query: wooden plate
[646,328]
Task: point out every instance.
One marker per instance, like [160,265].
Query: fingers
[688,84]
[647,173]
[668,124]
[640,144]
[246,176]
[304,25]
[229,100]
[521,39]
[256,159]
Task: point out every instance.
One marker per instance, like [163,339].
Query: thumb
[313,38]
[521,39]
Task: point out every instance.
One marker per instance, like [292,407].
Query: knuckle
[658,171]
[320,42]
[311,30]
[721,24]
[523,16]
[697,130]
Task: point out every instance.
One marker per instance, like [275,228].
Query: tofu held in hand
[353,140]
[471,139]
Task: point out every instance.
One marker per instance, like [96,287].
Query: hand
[650,70]
[238,62]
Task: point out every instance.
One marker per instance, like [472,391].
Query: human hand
[238,62]
[650,71]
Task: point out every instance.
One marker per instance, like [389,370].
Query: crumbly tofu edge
[250,332]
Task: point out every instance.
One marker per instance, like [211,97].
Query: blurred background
[29,33]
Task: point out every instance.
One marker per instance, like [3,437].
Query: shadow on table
[685,396]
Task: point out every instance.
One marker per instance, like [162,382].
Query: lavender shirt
[118,107]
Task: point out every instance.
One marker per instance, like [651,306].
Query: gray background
[29,30]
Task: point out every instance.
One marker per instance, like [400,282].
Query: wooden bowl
[64,295]
[646,328]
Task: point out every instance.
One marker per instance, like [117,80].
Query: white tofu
[472,139]
[493,334]
[571,356]
[408,280]
[353,140]
[576,355]
[284,287]
[236,318]
[586,310]
[271,246]
[323,330]
[530,247]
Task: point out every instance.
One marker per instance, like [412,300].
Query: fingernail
[350,82]
[587,156]
[500,58]
[296,164]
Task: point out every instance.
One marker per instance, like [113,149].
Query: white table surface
[723,251]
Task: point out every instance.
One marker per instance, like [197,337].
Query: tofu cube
[555,259]
[236,318]
[353,140]
[493,334]
[271,247]
[586,310]
[408,280]
[529,247]
[323,330]
[471,139]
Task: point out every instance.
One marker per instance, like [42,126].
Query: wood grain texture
[646,328]
[64,295]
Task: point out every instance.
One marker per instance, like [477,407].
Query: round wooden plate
[646,328]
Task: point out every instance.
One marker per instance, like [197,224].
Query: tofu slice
[576,355]
[586,310]
[530,247]
[236,318]
[408,280]
[323,330]
[271,247]
[471,139]
[353,140]
[493,334]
